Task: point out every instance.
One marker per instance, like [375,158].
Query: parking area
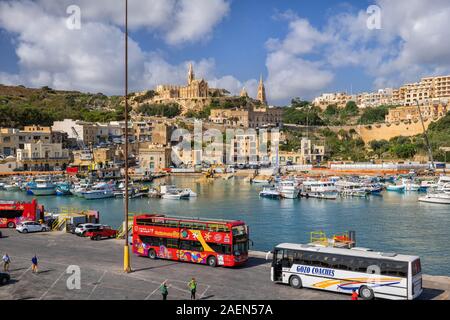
[100,265]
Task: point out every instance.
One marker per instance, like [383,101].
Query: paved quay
[100,264]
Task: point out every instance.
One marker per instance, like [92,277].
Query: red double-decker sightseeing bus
[14,212]
[206,241]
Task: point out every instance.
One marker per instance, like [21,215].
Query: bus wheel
[366,293]
[152,254]
[212,261]
[295,282]
[10,225]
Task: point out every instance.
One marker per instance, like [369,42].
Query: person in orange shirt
[354,295]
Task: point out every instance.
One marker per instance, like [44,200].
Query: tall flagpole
[126,251]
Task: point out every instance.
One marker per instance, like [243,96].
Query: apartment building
[411,113]
[310,152]
[340,99]
[42,156]
[375,99]
[13,139]
[263,117]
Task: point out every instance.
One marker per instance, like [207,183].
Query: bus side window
[298,257]
[172,243]
[325,261]
[288,258]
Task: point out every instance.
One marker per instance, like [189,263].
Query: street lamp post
[126,251]
[430,153]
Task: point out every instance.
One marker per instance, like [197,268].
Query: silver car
[31,226]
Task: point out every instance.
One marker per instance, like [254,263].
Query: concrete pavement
[100,264]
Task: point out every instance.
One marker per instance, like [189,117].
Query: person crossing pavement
[6,262]
[164,291]
[192,285]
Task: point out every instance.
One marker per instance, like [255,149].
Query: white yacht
[99,191]
[270,192]
[439,198]
[319,189]
[176,194]
[351,189]
[288,189]
[443,183]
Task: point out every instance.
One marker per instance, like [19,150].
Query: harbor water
[393,222]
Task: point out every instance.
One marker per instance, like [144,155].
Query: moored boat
[288,189]
[99,191]
[42,187]
[438,198]
[395,187]
[270,192]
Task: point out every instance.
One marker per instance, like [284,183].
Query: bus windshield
[239,231]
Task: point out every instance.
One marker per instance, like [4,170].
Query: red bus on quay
[205,241]
[14,212]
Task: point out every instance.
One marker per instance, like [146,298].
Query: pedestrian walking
[6,262]
[34,264]
[164,291]
[192,287]
[354,295]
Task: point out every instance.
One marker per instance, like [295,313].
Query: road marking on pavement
[203,294]
[53,285]
[148,297]
[96,285]
[23,273]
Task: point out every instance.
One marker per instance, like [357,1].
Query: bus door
[277,265]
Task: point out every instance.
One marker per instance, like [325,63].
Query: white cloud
[90,59]
[412,43]
[175,21]
[193,20]
[290,74]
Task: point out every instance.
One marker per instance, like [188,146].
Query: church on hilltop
[199,89]
[195,88]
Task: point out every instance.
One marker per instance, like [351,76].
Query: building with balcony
[41,156]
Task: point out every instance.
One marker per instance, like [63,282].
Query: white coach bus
[372,274]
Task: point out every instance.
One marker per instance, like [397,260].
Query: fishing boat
[395,187]
[438,198]
[11,187]
[319,189]
[270,192]
[351,189]
[374,188]
[427,185]
[63,189]
[288,189]
[42,187]
[99,191]
[410,185]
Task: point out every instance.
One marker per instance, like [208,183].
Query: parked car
[1,234]
[101,233]
[31,226]
[4,278]
[81,229]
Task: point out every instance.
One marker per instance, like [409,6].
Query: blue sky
[302,48]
